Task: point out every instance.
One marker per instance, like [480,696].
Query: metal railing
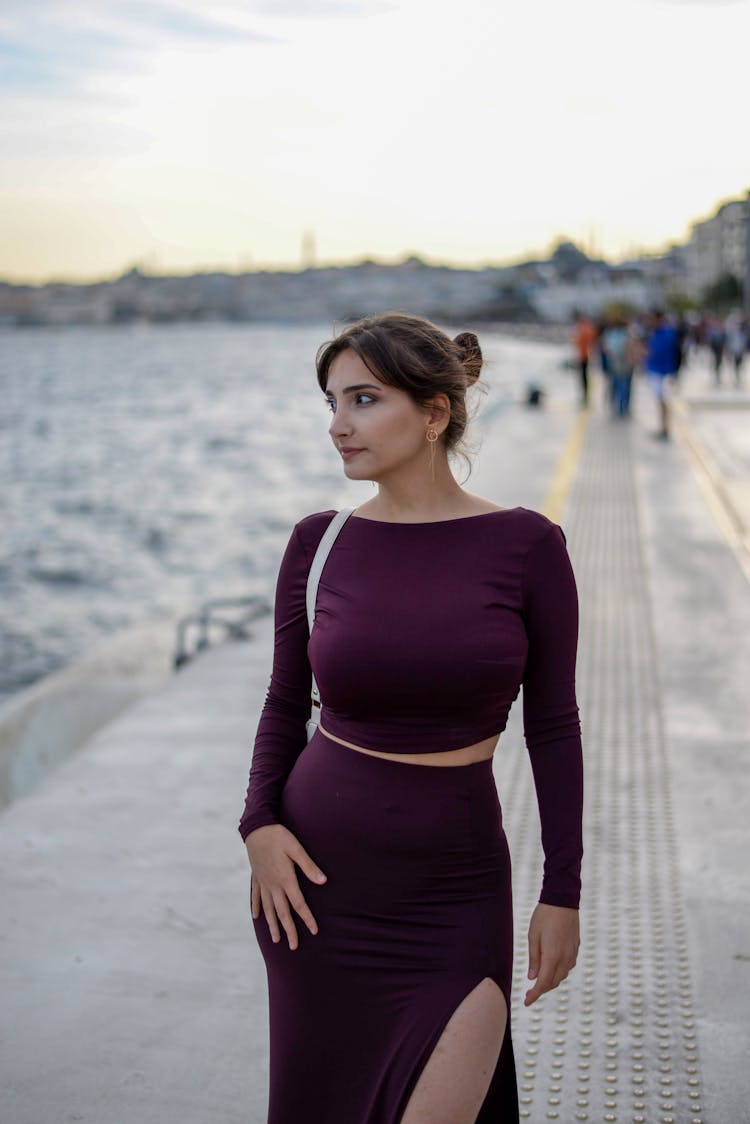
[196,632]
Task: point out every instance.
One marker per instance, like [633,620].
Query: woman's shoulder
[316,519]
[311,528]
[532,525]
[544,550]
[524,521]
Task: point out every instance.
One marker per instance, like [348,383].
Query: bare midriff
[468,755]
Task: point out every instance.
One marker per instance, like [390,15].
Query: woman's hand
[273,851]
[553,948]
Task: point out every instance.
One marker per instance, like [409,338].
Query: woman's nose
[339,426]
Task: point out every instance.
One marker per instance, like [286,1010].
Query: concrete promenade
[132,989]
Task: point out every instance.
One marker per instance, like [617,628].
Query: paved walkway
[132,988]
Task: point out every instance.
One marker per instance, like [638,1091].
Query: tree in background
[724,294]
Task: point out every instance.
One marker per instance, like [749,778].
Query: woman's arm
[553,738]
[281,734]
[551,723]
[273,851]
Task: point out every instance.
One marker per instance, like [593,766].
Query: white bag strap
[316,569]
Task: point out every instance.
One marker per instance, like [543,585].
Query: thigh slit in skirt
[415,913]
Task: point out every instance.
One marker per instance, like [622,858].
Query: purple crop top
[424,633]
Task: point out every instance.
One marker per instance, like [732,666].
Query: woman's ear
[438,411]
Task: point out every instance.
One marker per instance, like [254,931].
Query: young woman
[380,890]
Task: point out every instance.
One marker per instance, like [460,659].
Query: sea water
[146,469]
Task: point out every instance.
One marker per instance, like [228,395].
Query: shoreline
[77,701]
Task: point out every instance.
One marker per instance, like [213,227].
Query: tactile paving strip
[617,1041]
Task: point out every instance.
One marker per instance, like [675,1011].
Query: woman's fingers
[273,852]
[550,975]
[276,910]
[553,948]
[534,993]
[299,855]
[269,912]
[298,902]
[554,968]
[292,896]
[284,915]
[544,982]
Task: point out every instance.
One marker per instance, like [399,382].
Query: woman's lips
[347,454]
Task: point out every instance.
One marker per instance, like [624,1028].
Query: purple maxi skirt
[415,913]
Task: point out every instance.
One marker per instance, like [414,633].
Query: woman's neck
[422,500]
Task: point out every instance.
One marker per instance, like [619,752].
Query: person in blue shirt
[662,363]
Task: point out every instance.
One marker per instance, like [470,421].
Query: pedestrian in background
[619,347]
[584,340]
[716,339]
[738,342]
[682,328]
[662,361]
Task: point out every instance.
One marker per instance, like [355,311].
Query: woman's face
[378,430]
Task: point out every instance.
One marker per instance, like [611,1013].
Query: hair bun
[471,355]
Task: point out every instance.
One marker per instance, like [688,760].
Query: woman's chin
[354,472]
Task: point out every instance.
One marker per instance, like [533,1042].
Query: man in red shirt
[584,340]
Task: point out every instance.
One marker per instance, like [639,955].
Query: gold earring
[432,436]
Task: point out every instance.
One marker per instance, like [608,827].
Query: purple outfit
[423,635]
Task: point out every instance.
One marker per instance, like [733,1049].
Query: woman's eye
[358,400]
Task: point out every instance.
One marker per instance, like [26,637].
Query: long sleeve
[281,734]
[550,711]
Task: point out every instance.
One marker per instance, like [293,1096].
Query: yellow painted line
[562,477]
[712,485]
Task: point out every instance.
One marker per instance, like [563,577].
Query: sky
[242,134]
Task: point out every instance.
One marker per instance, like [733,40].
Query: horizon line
[141,265]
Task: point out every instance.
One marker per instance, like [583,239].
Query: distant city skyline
[590,243]
[280,134]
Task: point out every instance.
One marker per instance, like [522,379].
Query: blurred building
[718,247]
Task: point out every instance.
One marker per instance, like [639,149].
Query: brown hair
[416,356]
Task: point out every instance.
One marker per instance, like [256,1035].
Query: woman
[380,889]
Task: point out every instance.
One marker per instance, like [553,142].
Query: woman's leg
[455,1080]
